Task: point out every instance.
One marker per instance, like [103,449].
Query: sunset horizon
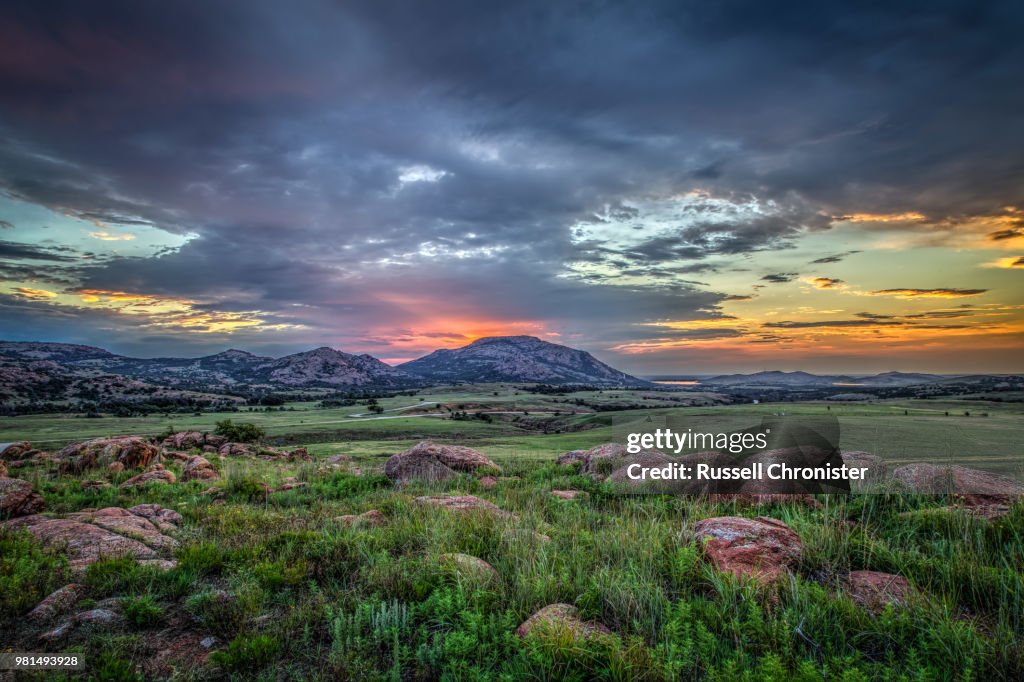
[844,204]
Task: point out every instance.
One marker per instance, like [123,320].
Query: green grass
[291,594]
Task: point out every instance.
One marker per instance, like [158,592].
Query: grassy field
[985,434]
[290,593]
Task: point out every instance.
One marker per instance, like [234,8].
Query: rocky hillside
[518,358]
[54,371]
[328,367]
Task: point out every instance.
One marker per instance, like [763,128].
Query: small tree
[239,433]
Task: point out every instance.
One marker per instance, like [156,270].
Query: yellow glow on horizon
[907,217]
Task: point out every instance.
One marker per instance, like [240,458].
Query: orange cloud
[95,295]
[827,282]
[1011,262]
[34,294]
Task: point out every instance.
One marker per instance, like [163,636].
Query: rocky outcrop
[3,469]
[429,461]
[463,503]
[974,487]
[104,615]
[568,494]
[88,536]
[18,450]
[132,452]
[561,618]
[299,455]
[18,498]
[237,450]
[874,590]
[760,548]
[875,466]
[570,457]
[161,517]
[198,468]
[57,603]
[470,567]
[184,440]
[189,440]
[599,460]
[156,473]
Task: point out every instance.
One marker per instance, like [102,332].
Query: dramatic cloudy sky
[677,187]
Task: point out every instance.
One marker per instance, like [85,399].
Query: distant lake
[689,382]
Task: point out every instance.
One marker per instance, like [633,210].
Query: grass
[289,593]
[899,430]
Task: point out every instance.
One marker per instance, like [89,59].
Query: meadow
[288,591]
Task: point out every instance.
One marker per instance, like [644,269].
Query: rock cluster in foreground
[88,536]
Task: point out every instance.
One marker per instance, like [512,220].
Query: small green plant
[247,488]
[247,653]
[142,611]
[106,667]
[203,558]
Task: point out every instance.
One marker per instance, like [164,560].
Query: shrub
[203,558]
[241,432]
[247,652]
[248,488]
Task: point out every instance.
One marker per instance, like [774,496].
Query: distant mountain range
[56,371]
[790,379]
[60,372]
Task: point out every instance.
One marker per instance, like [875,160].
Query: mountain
[56,352]
[776,379]
[328,367]
[518,359]
[900,379]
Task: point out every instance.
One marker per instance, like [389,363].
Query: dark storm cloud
[18,251]
[325,154]
[1008,233]
[929,293]
[780,277]
[834,258]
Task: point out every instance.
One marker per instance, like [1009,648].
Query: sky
[677,187]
